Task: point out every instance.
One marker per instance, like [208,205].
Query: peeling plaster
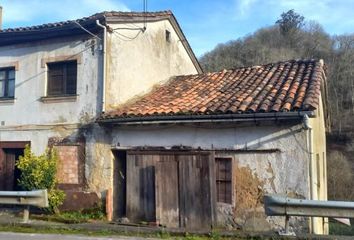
[272,178]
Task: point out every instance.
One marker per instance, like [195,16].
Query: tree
[290,22]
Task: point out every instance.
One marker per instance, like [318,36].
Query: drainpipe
[104,41]
[313,193]
[0,18]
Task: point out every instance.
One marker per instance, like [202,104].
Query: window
[7,82]
[223,180]
[168,36]
[62,77]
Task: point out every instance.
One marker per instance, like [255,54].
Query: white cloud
[39,11]
[246,8]
[243,7]
[314,9]
[335,15]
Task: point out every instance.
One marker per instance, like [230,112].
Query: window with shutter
[62,78]
[223,179]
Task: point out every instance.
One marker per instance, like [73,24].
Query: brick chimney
[0,17]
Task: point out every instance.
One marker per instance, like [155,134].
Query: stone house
[192,151]
[202,149]
[57,78]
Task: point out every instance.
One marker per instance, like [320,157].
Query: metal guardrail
[284,206]
[38,198]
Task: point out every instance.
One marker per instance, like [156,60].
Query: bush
[340,177]
[39,172]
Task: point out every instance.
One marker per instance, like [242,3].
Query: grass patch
[21,229]
[341,229]
[72,217]
[103,232]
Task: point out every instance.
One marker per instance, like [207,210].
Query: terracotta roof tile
[284,86]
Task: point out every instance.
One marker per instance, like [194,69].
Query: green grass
[161,235]
[341,229]
[21,229]
[72,217]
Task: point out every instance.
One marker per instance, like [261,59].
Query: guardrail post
[38,198]
[287,220]
[26,214]
[286,231]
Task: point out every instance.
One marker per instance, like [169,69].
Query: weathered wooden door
[8,171]
[166,183]
[197,191]
[141,187]
[176,189]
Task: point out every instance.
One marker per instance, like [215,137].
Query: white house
[57,78]
[192,151]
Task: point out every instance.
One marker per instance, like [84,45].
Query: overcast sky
[205,22]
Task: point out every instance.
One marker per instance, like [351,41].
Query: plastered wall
[138,60]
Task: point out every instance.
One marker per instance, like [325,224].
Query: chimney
[0,18]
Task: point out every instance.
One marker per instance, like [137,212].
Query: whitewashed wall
[31,80]
[283,170]
[28,118]
[135,64]
[289,164]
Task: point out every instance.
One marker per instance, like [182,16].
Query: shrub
[39,172]
[340,177]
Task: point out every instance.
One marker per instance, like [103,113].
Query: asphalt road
[32,236]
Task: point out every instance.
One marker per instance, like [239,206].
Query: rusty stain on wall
[61,131]
[249,192]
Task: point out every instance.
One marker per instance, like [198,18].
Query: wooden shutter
[71,76]
[223,179]
[62,78]
[55,79]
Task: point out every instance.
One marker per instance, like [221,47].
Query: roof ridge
[300,60]
[276,63]
[168,11]
[95,16]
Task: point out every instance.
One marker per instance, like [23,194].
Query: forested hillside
[291,37]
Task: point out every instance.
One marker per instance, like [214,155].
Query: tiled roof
[70,28]
[94,17]
[278,87]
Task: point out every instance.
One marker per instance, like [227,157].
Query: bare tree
[340,177]
[291,37]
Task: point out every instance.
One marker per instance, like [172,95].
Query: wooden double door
[174,189]
[9,173]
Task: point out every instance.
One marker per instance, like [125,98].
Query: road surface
[36,236]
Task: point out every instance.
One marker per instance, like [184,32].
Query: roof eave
[17,37]
[185,43]
[225,118]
